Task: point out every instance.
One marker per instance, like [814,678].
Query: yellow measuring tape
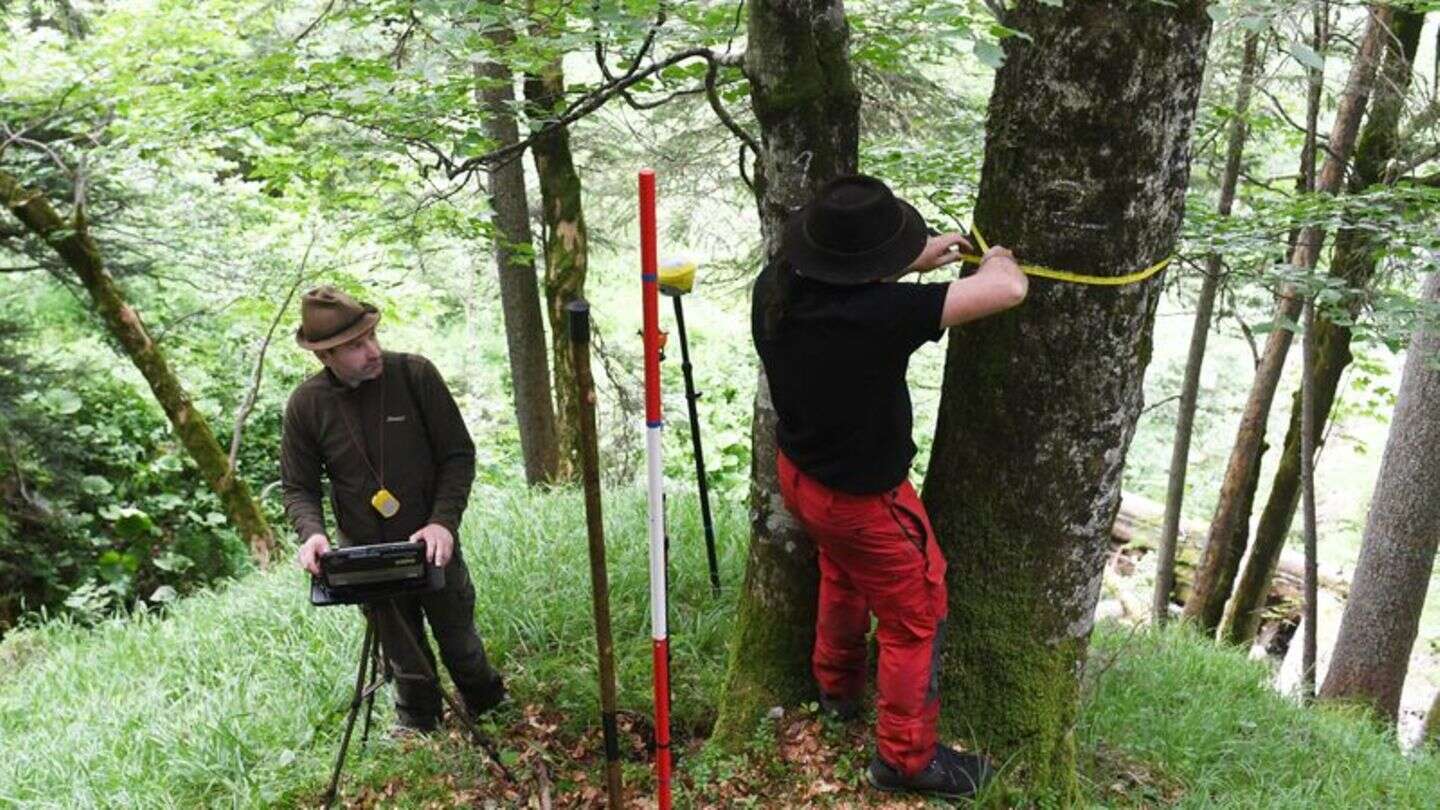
[1074,278]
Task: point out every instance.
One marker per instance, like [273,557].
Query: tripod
[373,662]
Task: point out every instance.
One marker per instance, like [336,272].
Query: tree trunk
[71,240]
[1430,737]
[567,246]
[808,108]
[515,264]
[1216,574]
[1086,165]
[1184,423]
[1382,615]
[1354,262]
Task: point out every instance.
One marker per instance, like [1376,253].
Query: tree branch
[254,392]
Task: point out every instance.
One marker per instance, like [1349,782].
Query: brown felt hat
[329,317]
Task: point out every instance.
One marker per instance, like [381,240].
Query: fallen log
[1137,532]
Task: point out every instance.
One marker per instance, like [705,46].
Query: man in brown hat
[383,427]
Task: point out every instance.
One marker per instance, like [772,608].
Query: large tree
[1087,160]
[567,242]
[1382,614]
[807,105]
[515,263]
[70,238]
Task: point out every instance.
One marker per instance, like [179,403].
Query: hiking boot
[411,728]
[843,709]
[950,775]
[483,700]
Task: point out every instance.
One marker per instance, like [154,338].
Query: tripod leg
[372,685]
[354,710]
[455,706]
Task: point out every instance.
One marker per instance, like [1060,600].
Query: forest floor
[235,698]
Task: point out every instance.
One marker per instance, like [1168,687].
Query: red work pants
[877,554]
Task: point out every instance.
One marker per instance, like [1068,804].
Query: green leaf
[164,594]
[990,54]
[96,485]
[63,401]
[1306,56]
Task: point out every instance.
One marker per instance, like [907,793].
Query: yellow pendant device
[385,503]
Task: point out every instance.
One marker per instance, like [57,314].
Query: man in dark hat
[383,427]
[835,335]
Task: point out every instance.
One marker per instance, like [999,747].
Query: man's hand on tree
[310,551]
[938,252]
[439,543]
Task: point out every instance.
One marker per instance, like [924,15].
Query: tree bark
[1185,420]
[567,245]
[1086,165]
[1354,262]
[806,102]
[515,265]
[1382,615]
[1216,574]
[71,240]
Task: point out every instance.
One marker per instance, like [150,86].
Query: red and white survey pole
[649,268]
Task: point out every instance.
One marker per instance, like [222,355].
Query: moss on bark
[1086,165]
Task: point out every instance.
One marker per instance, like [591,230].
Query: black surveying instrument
[373,577]
[677,278]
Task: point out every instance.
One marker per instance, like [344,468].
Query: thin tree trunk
[71,240]
[1354,262]
[1430,738]
[1185,420]
[1086,165]
[515,265]
[808,107]
[1216,574]
[567,247]
[1307,488]
[1382,615]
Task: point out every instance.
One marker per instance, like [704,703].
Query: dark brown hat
[854,231]
[329,317]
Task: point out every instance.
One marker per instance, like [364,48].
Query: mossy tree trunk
[1382,615]
[1224,547]
[1087,159]
[807,105]
[567,247]
[71,240]
[1354,262]
[515,265]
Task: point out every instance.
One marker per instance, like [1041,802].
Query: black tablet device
[366,573]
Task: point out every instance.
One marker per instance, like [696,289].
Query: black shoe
[842,709]
[950,775]
[409,728]
[483,700]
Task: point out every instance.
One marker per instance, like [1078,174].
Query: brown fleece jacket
[403,427]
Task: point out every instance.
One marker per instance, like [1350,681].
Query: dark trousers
[877,554]
[450,612]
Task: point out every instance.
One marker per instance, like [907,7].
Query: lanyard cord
[344,417]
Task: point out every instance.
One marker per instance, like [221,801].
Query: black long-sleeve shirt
[405,424]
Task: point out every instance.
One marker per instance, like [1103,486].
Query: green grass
[217,702]
[1203,721]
